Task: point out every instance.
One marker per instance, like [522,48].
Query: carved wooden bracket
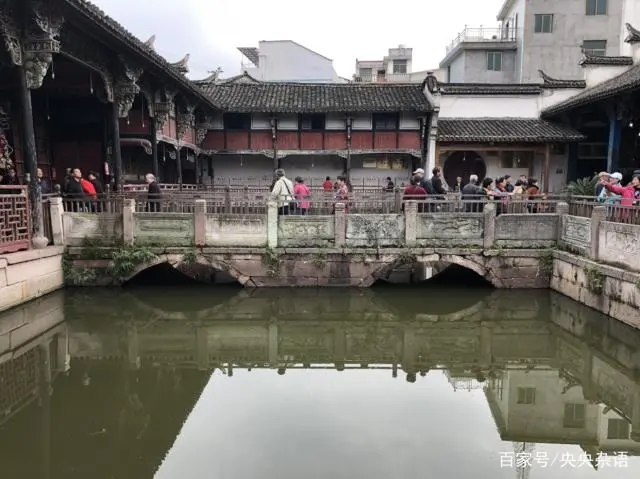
[41,42]
[126,87]
[164,106]
[150,97]
[185,120]
[10,31]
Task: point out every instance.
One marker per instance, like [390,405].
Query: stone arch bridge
[316,267]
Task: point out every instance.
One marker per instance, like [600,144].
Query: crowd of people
[610,189]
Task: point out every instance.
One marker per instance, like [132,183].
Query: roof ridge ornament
[182,65]
[150,43]
[633,34]
[551,82]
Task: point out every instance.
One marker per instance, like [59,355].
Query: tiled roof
[505,130]
[119,33]
[251,53]
[602,60]
[490,88]
[550,82]
[272,97]
[626,81]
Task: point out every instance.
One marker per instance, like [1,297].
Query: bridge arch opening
[435,270]
[182,270]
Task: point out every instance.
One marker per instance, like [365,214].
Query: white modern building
[287,61]
[395,67]
[534,35]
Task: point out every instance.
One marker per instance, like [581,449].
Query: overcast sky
[343,30]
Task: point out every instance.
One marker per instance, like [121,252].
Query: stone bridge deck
[321,250]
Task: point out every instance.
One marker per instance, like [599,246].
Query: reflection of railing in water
[463,384]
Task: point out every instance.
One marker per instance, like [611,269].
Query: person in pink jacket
[302,195]
[630,193]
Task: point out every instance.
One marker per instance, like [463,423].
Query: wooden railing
[15,219]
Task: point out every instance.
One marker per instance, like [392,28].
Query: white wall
[288,61]
[595,74]
[485,106]
[630,14]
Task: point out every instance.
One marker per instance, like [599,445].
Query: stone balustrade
[411,228]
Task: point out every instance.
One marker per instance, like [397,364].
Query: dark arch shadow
[463,164]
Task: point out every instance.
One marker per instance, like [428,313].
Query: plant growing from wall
[190,257]
[76,276]
[545,264]
[406,257]
[595,279]
[124,261]
[319,259]
[271,261]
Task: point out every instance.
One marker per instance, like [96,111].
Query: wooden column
[117,151]
[546,167]
[31,160]
[154,148]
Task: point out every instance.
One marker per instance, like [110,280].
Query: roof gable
[298,45]
[273,97]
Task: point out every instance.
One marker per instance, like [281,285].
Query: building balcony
[483,35]
[327,140]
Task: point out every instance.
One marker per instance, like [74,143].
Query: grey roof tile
[273,97]
[490,88]
[602,60]
[505,130]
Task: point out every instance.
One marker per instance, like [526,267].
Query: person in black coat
[153,194]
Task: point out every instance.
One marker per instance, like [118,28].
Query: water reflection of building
[568,380]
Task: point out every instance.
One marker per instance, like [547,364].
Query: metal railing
[481,34]
[15,219]
[616,212]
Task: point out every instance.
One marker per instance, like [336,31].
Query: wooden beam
[546,166]
[484,147]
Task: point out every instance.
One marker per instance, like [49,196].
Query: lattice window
[14,219]
[17,382]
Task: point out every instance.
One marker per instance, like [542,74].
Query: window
[399,66]
[596,7]
[494,61]
[574,416]
[366,74]
[385,121]
[618,429]
[594,48]
[516,159]
[237,121]
[543,23]
[526,396]
[312,122]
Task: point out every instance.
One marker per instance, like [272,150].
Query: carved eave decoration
[150,44]
[90,54]
[41,42]
[150,97]
[201,129]
[185,120]
[183,65]
[10,32]
[633,35]
[127,87]
[164,106]
[550,82]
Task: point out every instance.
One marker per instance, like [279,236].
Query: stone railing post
[127,221]
[562,210]
[411,222]
[340,225]
[57,227]
[489,234]
[200,222]
[598,215]
[272,224]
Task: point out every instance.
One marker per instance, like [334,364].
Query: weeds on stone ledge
[190,257]
[124,261]
[271,262]
[545,264]
[319,260]
[76,276]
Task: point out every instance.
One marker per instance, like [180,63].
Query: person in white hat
[614,179]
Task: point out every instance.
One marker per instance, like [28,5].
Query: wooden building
[607,112]
[368,132]
[78,90]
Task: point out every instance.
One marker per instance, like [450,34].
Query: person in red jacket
[630,193]
[88,188]
[414,191]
